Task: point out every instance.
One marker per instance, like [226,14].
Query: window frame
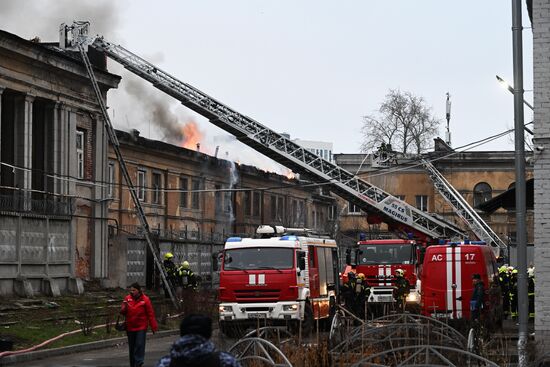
[156,195]
[80,157]
[422,205]
[141,184]
[111,179]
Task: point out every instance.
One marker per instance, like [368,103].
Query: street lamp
[505,84]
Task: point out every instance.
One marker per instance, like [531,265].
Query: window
[332,212]
[218,198]
[482,193]
[228,202]
[301,213]
[184,195]
[195,195]
[257,204]
[273,207]
[353,209]
[141,185]
[280,208]
[422,202]
[247,202]
[80,153]
[111,180]
[156,188]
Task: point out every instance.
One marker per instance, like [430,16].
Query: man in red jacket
[139,314]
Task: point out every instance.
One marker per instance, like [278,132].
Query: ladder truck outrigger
[400,217]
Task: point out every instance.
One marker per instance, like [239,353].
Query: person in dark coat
[401,290]
[476,303]
[194,348]
[139,315]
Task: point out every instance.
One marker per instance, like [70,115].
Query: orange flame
[289,174]
[191,135]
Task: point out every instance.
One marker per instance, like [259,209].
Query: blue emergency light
[234,239]
[288,238]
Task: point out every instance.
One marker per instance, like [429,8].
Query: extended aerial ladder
[81,47]
[461,207]
[397,214]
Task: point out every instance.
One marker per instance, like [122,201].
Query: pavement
[109,353]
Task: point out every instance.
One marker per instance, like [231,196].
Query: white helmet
[531,272]
[400,272]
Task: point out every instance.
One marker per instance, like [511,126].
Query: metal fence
[20,202]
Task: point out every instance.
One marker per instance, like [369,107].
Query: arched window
[512,185]
[482,193]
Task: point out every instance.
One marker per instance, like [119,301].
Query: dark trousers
[136,347]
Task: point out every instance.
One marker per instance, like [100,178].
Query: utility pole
[448,117]
[523,307]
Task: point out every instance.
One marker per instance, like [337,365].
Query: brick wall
[541,64]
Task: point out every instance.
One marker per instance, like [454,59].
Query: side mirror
[215,262]
[422,252]
[348,256]
[302,261]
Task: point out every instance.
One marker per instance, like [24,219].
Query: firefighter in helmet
[401,290]
[362,292]
[187,287]
[187,278]
[504,282]
[348,291]
[171,271]
[531,291]
[513,294]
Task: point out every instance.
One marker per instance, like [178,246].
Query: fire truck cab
[281,279]
[378,260]
[447,280]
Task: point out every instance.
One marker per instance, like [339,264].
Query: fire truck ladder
[461,207]
[80,44]
[275,146]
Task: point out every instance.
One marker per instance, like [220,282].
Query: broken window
[111,180]
[141,185]
[218,198]
[247,202]
[184,187]
[195,195]
[422,202]
[257,204]
[80,153]
[156,188]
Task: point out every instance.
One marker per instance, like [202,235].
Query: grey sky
[309,68]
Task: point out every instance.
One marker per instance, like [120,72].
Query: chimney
[198,147]
[135,134]
[216,152]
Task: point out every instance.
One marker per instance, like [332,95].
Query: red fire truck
[447,280]
[378,260]
[282,280]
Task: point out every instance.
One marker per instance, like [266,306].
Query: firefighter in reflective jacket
[171,272]
[513,293]
[504,282]
[362,293]
[348,292]
[401,290]
[531,291]
[186,277]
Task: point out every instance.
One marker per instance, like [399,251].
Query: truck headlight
[412,297]
[290,307]
[225,309]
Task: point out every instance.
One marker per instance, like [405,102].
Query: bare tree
[404,121]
